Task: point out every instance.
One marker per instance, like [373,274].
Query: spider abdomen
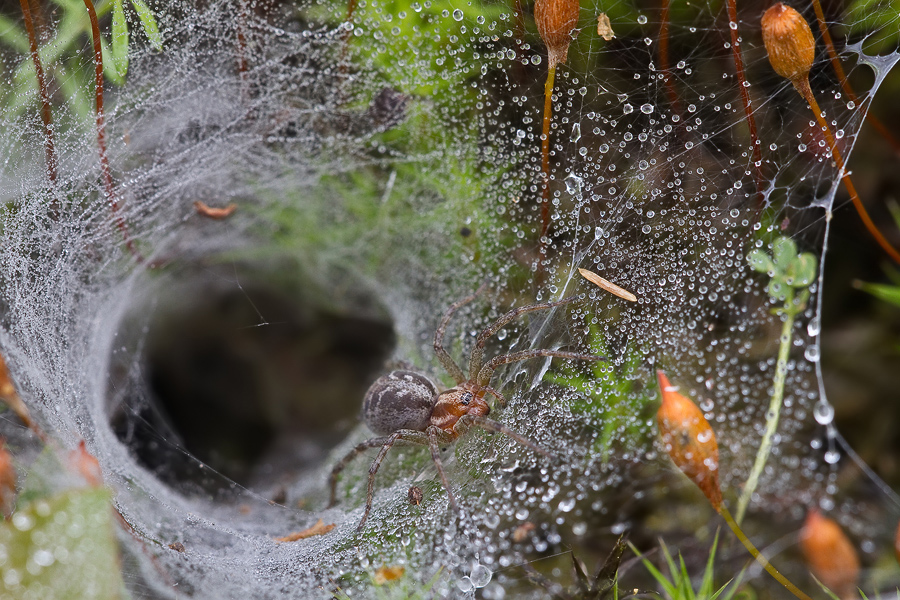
[399,400]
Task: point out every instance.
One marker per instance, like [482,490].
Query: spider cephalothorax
[406,408]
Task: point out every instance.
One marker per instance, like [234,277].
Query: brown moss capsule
[789,42]
[829,554]
[689,440]
[555,20]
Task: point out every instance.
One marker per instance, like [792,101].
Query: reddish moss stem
[845,83]
[745,99]
[803,87]
[46,114]
[545,154]
[108,183]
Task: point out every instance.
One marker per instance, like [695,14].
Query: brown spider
[406,408]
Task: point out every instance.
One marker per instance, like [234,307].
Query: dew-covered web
[384,167]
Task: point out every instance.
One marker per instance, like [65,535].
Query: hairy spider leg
[435,435]
[446,360]
[487,371]
[478,350]
[359,449]
[500,398]
[497,427]
[410,436]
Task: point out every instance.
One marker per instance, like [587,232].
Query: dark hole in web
[255,382]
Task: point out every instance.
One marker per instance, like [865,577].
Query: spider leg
[433,439]
[360,448]
[404,435]
[495,394]
[497,427]
[478,350]
[487,371]
[448,363]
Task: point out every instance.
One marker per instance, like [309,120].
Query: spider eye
[466,398]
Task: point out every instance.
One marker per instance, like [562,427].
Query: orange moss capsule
[7,481]
[829,554]
[689,440]
[789,42]
[555,20]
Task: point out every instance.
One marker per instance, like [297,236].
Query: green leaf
[886,292]
[13,36]
[120,38]
[148,23]
[62,547]
[760,262]
[778,289]
[784,251]
[109,66]
[804,270]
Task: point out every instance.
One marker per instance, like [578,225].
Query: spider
[405,407]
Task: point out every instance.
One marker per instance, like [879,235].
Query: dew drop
[646,108]
[773,146]
[480,576]
[643,165]
[642,20]
[573,185]
[22,521]
[824,413]
[465,584]
[732,25]
[576,132]
[831,457]
[812,353]
[457,15]
[627,109]
[813,328]
[567,504]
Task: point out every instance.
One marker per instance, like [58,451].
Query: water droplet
[627,109]
[813,328]
[573,185]
[773,146]
[642,20]
[824,413]
[567,504]
[851,105]
[22,521]
[457,15]
[802,147]
[831,457]
[465,584]
[732,25]
[480,576]
[643,165]
[646,229]
[43,558]
[576,132]
[812,353]
[646,108]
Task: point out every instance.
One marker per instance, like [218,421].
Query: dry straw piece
[607,285]
[604,27]
[689,440]
[829,554]
[555,20]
